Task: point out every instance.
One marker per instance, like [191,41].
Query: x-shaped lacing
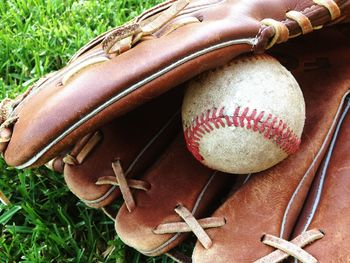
[124,184]
[191,224]
[84,147]
[291,248]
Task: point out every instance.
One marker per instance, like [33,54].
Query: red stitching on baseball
[271,128]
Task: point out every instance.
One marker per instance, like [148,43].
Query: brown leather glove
[264,214]
[269,202]
[134,140]
[129,66]
[142,157]
[327,205]
[158,50]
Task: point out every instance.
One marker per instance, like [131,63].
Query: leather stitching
[311,168]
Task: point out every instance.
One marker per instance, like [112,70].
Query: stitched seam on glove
[312,166]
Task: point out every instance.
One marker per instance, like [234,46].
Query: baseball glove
[129,65]
[118,71]
[265,213]
[175,194]
[135,140]
[145,161]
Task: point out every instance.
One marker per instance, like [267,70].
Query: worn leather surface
[327,206]
[226,29]
[174,175]
[270,202]
[176,179]
[136,139]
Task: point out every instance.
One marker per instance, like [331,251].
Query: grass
[45,222]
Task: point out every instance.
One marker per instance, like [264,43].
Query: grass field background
[45,222]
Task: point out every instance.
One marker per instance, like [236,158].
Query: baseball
[244,117]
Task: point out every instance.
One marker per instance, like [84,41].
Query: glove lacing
[291,248]
[191,224]
[123,38]
[79,153]
[282,32]
[124,185]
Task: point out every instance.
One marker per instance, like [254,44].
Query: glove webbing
[291,248]
[123,38]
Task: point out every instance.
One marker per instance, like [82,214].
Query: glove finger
[135,140]
[97,86]
[326,206]
[182,192]
[270,202]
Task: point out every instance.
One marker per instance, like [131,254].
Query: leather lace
[191,224]
[83,148]
[124,37]
[282,33]
[125,185]
[291,248]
